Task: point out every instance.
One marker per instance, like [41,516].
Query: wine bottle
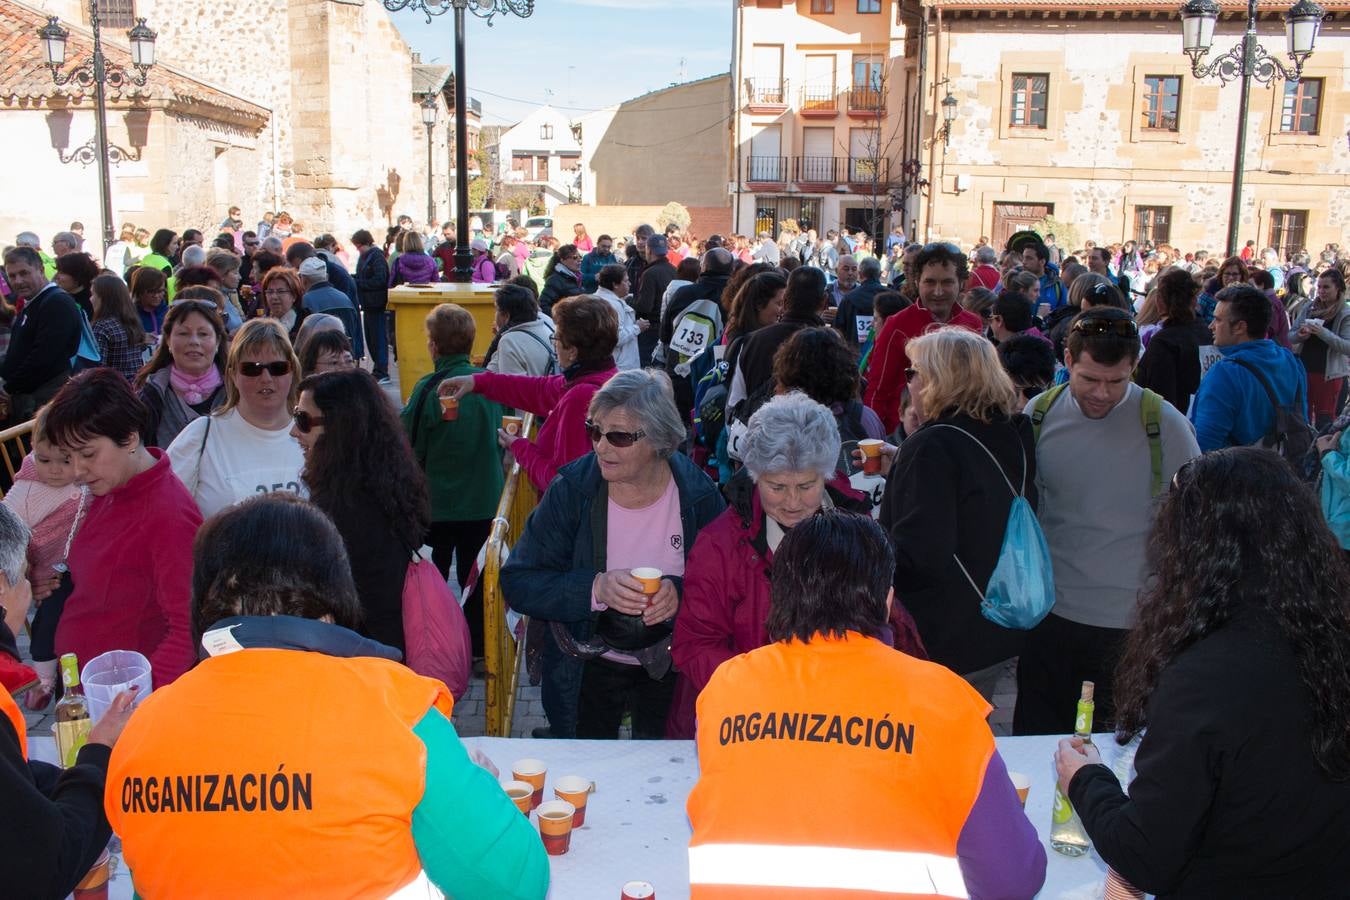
[1067,834]
[72,713]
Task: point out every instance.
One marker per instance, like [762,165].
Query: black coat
[1171,364]
[558,286]
[45,336]
[1228,800]
[372,279]
[756,360]
[379,562]
[856,303]
[944,496]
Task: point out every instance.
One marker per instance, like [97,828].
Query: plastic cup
[94,885]
[108,674]
[533,772]
[1043,310]
[871,451]
[575,790]
[555,826]
[521,794]
[449,409]
[638,890]
[512,425]
[1022,783]
[650,578]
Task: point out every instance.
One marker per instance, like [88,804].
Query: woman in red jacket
[131,560]
[791,454]
[587,333]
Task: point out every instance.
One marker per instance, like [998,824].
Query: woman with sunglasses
[1235,671]
[948,496]
[245,447]
[634,502]
[185,378]
[359,469]
[587,333]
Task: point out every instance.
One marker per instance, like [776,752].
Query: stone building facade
[1090,113]
[302,105]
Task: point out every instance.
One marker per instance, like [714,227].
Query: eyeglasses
[278,292]
[616,438]
[1096,327]
[275,369]
[304,422]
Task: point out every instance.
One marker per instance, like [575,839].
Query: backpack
[1150,415]
[693,334]
[1021,588]
[553,366]
[503,271]
[1290,435]
[850,432]
[738,418]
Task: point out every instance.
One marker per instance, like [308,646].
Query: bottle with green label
[72,713]
[1067,834]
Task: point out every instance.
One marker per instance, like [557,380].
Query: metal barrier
[15,442]
[519,498]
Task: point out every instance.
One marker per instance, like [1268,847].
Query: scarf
[194,390]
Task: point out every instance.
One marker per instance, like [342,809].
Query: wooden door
[1010,218]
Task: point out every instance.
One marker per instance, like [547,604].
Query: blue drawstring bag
[1021,589]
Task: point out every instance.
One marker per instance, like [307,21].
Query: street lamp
[98,70]
[949,110]
[429,120]
[484,9]
[1244,62]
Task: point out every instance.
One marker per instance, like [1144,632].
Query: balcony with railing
[766,94]
[866,171]
[824,171]
[818,102]
[766,169]
[866,102]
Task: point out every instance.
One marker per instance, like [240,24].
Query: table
[636,826]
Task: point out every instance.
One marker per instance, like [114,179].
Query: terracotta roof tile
[26,80]
[1172,6]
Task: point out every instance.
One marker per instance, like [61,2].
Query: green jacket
[155,261]
[461,459]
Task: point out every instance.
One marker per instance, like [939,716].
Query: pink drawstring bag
[434,628]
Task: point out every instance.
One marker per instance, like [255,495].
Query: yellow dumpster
[412,304]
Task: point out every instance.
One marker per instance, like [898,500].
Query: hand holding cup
[457,388]
[885,458]
[620,591]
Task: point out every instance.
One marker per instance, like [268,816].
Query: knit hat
[478,244]
[658,244]
[315,268]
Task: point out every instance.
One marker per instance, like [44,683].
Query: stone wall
[618,221]
[1096,163]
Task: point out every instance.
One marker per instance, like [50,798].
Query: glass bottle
[1067,834]
[72,713]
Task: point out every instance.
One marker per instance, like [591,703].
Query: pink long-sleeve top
[563,436]
[49,512]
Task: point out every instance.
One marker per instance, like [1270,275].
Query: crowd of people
[818,441]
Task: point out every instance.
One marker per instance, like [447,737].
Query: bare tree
[872,171]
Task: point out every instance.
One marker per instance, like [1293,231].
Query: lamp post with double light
[1244,62]
[484,9]
[97,70]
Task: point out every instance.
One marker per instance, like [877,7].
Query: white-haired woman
[632,503]
[947,500]
[790,473]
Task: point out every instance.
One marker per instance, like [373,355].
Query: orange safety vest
[840,768]
[274,773]
[11,709]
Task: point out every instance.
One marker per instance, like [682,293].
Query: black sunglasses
[305,422]
[275,369]
[910,373]
[615,438]
[1096,327]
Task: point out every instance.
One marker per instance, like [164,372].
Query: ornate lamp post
[949,111]
[429,120]
[1244,62]
[99,71]
[484,9]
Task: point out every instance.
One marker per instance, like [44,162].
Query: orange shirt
[11,709]
[834,768]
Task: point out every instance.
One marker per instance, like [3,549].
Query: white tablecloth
[636,826]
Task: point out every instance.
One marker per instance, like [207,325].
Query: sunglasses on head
[275,369]
[615,438]
[1098,327]
[304,422]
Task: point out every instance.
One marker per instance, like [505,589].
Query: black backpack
[1290,435]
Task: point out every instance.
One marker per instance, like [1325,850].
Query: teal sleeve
[471,839]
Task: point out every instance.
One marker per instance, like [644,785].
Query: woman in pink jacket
[587,333]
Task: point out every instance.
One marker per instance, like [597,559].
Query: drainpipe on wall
[917,139]
[934,187]
[737,31]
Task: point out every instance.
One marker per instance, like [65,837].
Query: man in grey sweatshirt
[1094,472]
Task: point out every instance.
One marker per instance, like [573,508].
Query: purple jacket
[413,268]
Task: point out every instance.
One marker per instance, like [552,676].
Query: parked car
[538,225]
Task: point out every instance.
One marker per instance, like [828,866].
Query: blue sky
[588,53]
